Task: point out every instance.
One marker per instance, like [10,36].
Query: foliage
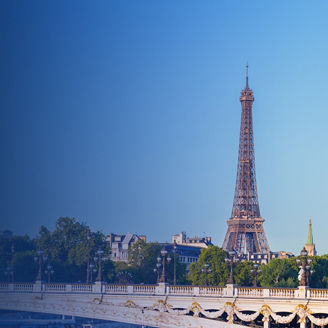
[69,247]
[243,275]
[279,273]
[15,253]
[319,265]
[218,276]
[142,262]
[69,243]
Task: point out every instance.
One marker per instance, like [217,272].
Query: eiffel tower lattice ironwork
[245,227]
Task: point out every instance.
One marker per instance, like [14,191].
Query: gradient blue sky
[126,114]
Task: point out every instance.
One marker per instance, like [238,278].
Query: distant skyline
[125,115]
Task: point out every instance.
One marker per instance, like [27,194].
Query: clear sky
[126,114]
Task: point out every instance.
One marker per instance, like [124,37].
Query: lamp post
[88,263]
[40,258]
[175,263]
[206,269]
[49,272]
[140,259]
[12,263]
[91,271]
[157,269]
[99,258]
[230,260]
[9,272]
[305,268]
[165,260]
[255,271]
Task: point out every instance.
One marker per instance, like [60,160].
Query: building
[310,246]
[184,253]
[285,255]
[120,244]
[245,234]
[182,239]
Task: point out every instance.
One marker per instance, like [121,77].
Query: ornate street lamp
[9,272]
[305,268]
[157,270]
[175,263]
[165,260]
[49,272]
[10,269]
[88,249]
[40,258]
[231,259]
[92,270]
[206,269]
[255,271]
[99,258]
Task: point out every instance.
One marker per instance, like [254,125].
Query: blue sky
[126,114]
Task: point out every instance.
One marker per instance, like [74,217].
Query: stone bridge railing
[164,305]
[165,289]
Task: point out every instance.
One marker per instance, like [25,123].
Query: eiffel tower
[245,233]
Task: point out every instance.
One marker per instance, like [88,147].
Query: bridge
[164,305]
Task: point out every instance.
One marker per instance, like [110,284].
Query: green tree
[142,260]
[25,269]
[215,257]
[279,273]
[319,265]
[243,275]
[123,273]
[68,248]
[10,250]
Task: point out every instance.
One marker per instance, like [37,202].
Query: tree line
[72,246]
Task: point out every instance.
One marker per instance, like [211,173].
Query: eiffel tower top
[247,93]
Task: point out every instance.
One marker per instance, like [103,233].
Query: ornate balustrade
[181,290]
[318,293]
[55,287]
[188,305]
[282,292]
[210,291]
[144,289]
[115,289]
[249,292]
[22,287]
[164,289]
[82,288]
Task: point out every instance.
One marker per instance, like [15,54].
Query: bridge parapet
[163,305]
[165,289]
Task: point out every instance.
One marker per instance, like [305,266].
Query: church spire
[310,236]
[309,246]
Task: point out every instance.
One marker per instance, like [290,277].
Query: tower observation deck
[245,233]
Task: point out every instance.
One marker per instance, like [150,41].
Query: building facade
[120,244]
[184,253]
[182,239]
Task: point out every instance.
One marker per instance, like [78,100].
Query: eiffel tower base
[246,235]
